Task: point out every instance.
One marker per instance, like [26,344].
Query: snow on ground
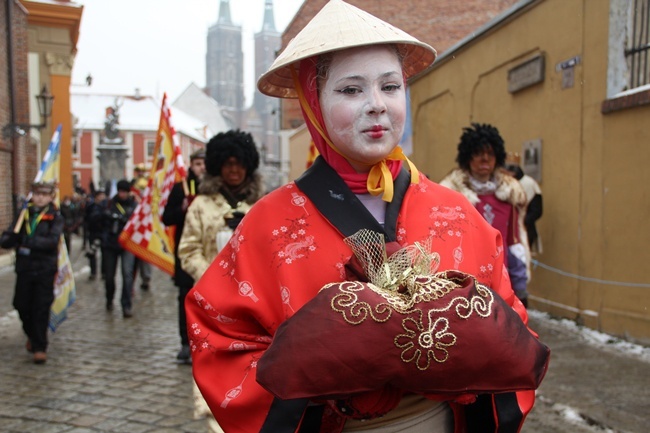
[597,339]
[572,416]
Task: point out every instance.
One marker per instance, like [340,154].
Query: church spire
[269,20]
[224,12]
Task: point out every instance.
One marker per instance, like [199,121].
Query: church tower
[267,109]
[224,65]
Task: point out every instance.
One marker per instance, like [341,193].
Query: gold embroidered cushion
[449,336]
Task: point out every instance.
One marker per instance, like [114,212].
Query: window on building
[151,146]
[75,144]
[231,75]
[638,48]
[629,46]
[76,181]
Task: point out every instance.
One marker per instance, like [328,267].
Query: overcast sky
[159,45]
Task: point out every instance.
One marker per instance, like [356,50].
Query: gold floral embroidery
[420,344]
[354,311]
[407,281]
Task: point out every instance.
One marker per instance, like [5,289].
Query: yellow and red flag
[144,234]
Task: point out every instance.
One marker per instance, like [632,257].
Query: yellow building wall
[596,206]
[298,152]
[53,32]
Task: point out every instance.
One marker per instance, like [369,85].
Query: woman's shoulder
[282,198]
[440,191]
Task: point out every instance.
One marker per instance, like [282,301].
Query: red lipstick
[376,131]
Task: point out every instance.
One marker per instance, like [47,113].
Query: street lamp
[45,100]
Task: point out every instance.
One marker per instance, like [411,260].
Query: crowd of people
[246,263]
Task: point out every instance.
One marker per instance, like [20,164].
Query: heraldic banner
[144,234]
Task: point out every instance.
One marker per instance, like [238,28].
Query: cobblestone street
[104,373]
[109,374]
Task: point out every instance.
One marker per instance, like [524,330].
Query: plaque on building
[526,74]
[532,159]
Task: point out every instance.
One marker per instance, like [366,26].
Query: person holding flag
[145,235]
[36,237]
[174,216]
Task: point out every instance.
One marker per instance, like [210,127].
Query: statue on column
[111,131]
[112,152]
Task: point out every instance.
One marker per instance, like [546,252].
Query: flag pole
[51,150]
[186,189]
[21,217]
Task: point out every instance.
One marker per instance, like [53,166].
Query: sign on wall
[526,74]
[531,162]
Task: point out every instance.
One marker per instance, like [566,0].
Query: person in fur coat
[230,186]
[498,196]
[228,189]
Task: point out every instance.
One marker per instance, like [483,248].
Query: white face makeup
[363,101]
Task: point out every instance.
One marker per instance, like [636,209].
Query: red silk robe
[278,259]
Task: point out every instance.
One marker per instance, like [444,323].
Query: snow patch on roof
[136,113]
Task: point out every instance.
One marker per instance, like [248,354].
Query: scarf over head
[381,176]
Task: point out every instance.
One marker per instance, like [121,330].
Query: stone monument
[112,150]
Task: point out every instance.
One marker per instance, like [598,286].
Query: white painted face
[363,101]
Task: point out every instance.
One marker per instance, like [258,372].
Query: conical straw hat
[338,26]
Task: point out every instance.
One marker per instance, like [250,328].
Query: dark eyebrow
[359,77]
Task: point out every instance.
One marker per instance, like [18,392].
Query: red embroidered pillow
[451,336]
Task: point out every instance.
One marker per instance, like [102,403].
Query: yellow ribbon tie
[380,178]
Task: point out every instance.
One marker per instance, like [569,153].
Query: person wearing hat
[230,185]
[349,70]
[36,242]
[174,216]
[117,213]
[228,189]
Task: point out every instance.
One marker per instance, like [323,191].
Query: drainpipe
[12,103]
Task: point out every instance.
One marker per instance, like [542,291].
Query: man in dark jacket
[174,215]
[93,218]
[116,215]
[37,244]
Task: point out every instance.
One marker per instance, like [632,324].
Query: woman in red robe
[349,70]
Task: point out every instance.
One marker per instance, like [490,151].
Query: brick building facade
[18,155]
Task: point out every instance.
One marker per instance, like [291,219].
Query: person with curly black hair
[498,196]
[477,138]
[230,185]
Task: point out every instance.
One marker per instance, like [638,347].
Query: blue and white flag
[64,284]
